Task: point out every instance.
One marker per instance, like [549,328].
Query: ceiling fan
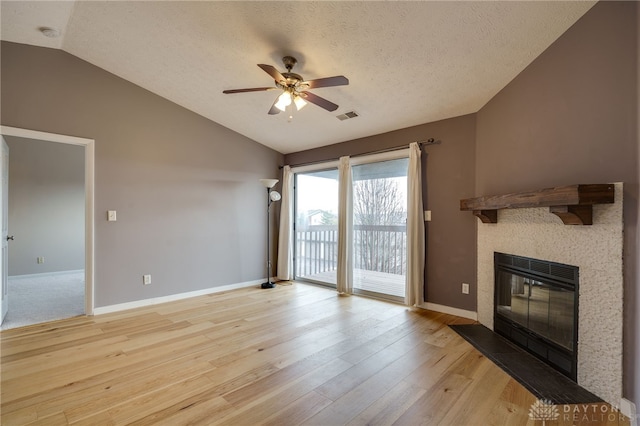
[294,88]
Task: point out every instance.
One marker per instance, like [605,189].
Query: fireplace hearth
[536,307]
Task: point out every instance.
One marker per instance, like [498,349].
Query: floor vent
[347,115]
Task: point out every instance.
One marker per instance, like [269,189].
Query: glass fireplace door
[513,297]
[536,308]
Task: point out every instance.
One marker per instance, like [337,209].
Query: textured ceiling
[408,62]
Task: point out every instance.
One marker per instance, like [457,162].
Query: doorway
[380,228]
[70,267]
[316,226]
[379,224]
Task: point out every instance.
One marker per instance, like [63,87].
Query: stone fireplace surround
[597,251]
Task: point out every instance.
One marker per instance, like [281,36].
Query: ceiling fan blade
[272,72]
[254,89]
[338,80]
[321,102]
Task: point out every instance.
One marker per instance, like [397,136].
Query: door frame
[89,210]
[355,160]
[381,157]
[324,166]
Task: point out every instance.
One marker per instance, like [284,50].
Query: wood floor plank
[512,407]
[436,402]
[469,409]
[351,403]
[388,335]
[102,398]
[138,407]
[388,408]
[56,358]
[133,364]
[36,343]
[298,411]
[368,367]
[293,355]
[191,411]
[279,395]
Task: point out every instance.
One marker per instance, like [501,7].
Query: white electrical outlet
[465,288]
[146,279]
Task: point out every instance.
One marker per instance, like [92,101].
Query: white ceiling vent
[347,115]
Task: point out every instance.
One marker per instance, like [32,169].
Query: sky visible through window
[316,193]
[321,193]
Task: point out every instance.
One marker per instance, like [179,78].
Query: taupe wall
[190,207]
[46,206]
[450,170]
[572,117]
[632,314]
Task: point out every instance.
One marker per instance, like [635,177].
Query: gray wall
[46,206]
[190,207]
[450,170]
[572,117]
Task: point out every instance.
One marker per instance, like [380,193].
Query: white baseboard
[450,310]
[628,408]
[44,274]
[171,298]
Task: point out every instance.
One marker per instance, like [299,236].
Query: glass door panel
[316,226]
[561,312]
[380,227]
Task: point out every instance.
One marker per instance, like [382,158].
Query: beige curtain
[345,230]
[414,294]
[285,235]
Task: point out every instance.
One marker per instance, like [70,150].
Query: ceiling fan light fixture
[294,88]
[284,101]
[300,103]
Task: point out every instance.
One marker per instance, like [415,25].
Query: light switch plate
[427,215]
[111,215]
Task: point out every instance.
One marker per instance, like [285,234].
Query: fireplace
[597,250]
[536,307]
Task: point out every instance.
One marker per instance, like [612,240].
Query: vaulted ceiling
[408,63]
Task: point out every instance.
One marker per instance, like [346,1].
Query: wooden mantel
[572,203]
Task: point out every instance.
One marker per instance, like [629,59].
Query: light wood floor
[296,354]
[378,282]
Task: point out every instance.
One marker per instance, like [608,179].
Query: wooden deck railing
[376,248]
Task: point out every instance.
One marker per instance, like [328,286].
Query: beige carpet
[41,298]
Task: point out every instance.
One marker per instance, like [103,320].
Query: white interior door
[4,220]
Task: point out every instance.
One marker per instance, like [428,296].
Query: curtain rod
[430,141]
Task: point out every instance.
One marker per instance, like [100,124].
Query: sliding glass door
[316,226]
[380,228]
[379,225]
